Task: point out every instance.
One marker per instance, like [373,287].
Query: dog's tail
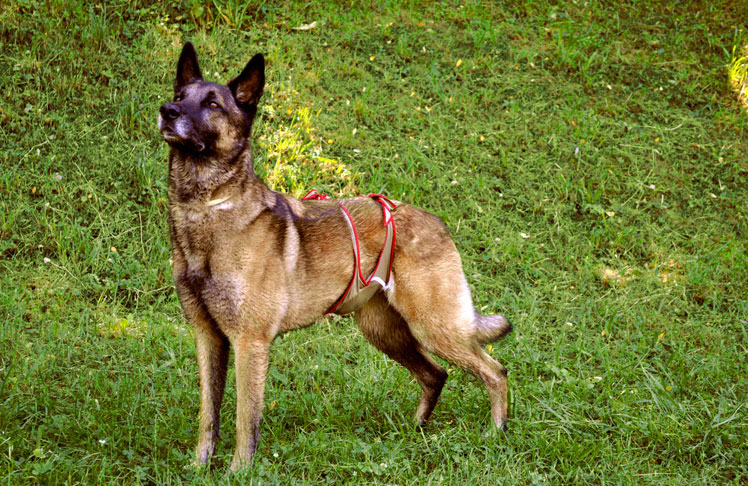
[491,328]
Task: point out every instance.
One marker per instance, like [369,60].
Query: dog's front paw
[237,464]
[204,452]
[495,432]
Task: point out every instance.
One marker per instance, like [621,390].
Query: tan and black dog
[250,263]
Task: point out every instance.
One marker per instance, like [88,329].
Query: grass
[590,162]
[738,73]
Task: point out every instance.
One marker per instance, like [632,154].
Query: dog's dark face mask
[207,120]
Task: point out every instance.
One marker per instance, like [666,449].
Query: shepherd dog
[250,263]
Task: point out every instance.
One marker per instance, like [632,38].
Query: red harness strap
[314,195]
[361,289]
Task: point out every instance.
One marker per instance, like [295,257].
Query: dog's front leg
[251,356]
[212,358]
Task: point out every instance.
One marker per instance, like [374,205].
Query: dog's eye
[213,105]
[178,98]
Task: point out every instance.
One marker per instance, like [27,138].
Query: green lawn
[590,161]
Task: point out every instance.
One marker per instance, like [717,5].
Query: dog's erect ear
[247,87]
[187,69]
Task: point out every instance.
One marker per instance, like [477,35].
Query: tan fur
[261,263]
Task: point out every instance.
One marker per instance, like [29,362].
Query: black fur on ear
[247,87]
[188,70]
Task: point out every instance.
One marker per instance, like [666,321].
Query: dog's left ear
[247,87]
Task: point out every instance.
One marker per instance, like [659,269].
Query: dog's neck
[202,180]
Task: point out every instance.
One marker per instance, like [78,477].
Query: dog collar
[213,202]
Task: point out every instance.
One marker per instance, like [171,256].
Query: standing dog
[250,263]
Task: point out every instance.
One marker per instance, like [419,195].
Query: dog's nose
[170,111]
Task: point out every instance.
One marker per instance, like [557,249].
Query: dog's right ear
[188,70]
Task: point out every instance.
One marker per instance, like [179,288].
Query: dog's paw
[494,432]
[203,453]
[239,464]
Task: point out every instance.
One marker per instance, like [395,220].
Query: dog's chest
[204,267]
[194,240]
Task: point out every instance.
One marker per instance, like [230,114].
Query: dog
[250,263]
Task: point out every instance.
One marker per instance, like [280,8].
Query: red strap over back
[314,195]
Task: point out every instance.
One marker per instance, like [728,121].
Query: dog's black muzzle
[177,128]
[170,111]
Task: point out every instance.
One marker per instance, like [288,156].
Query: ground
[589,161]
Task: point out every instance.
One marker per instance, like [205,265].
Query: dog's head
[208,120]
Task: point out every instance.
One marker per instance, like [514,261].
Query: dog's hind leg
[435,301]
[387,330]
[466,352]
